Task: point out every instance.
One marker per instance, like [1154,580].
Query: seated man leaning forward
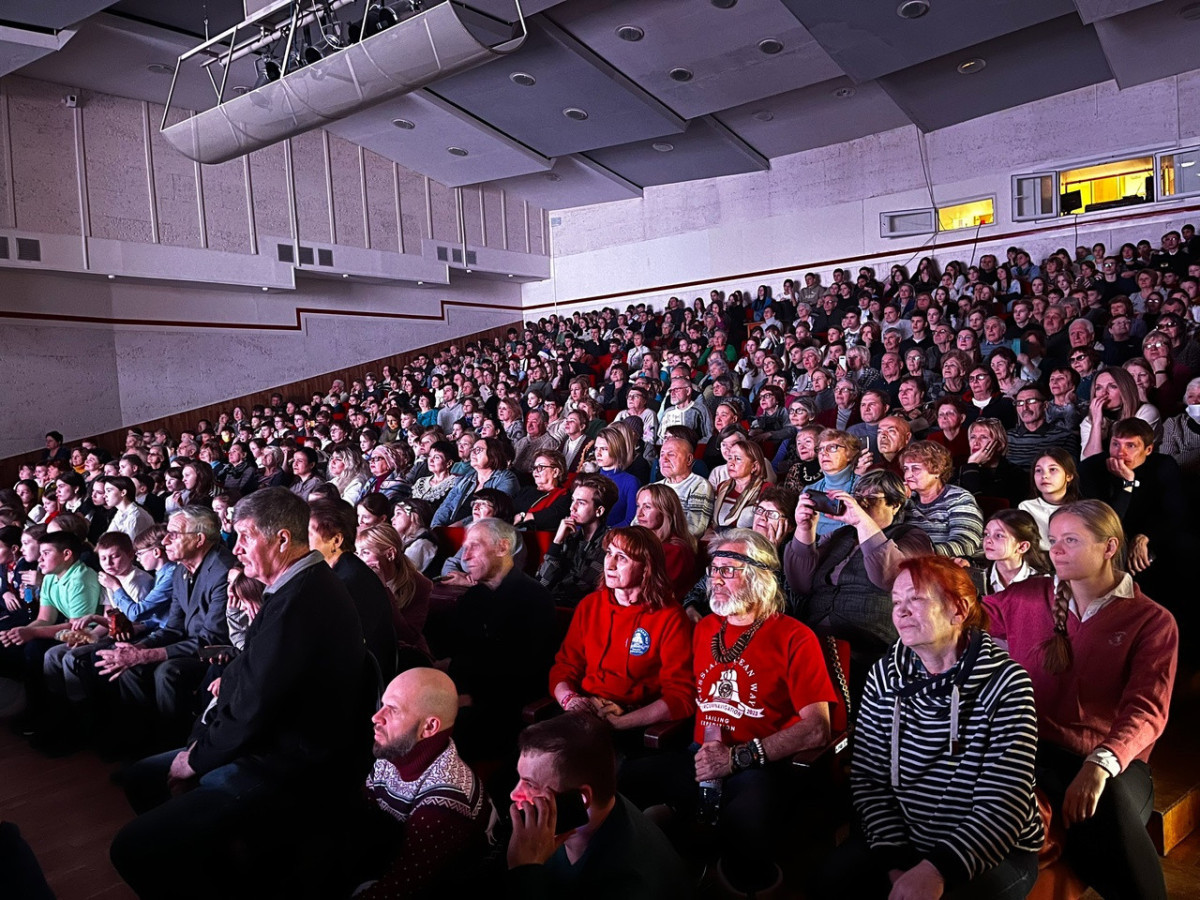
[429,810]
[285,743]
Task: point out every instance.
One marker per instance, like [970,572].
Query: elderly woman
[986,400]
[545,503]
[1114,397]
[381,548]
[987,471]
[1064,405]
[1102,656]
[388,464]
[837,453]
[954,366]
[844,583]
[942,776]
[801,411]
[508,411]
[489,469]
[627,656]
[659,509]
[733,505]
[1181,433]
[434,487]
[949,515]
[271,471]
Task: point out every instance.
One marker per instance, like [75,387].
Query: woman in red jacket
[1102,656]
[627,656]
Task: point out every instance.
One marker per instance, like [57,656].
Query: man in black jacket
[287,731]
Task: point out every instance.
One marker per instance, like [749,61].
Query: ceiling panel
[186,16]
[574,181]
[719,46]
[1094,10]
[1147,44]
[437,127]
[567,75]
[868,39]
[706,150]
[1039,62]
[53,14]
[816,116]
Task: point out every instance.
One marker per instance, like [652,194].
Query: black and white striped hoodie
[943,764]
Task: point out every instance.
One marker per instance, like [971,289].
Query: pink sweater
[1118,690]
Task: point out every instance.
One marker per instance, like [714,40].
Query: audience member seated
[503,641]
[286,731]
[574,562]
[987,472]
[943,768]
[388,464]
[348,472]
[1012,543]
[613,455]
[733,504]
[608,850]
[1102,657]
[1034,433]
[411,520]
[658,509]
[948,515]
[1114,397]
[332,530]
[627,657]
[425,827]
[843,583]
[439,460]
[763,694]
[381,549]
[839,455]
[489,469]
[536,439]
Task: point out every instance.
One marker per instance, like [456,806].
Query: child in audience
[1056,482]
[1013,546]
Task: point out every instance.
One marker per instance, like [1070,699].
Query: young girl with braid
[1102,656]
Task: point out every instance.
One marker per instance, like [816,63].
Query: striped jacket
[943,765]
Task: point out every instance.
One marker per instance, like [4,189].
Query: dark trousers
[757,806]
[855,871]
[25,662]
[1111,851]
[165,696]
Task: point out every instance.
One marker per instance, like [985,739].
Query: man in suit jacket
[160,675]
[290,726]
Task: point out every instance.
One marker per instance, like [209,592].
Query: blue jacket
[456,506]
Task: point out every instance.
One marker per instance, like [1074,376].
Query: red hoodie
[632,655]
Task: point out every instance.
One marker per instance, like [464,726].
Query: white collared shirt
[1123,590]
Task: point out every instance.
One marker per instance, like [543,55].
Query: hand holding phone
[825,504]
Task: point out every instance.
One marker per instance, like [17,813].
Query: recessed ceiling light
[912,9]
[770,46]
[663,146]
[456,151]
[522,78]
[679,73]
[553,176]
[723,4]
[510,274]
[114,278]
[419,283]
[971,66]
[1190,12]
[844,93]
[574,112]
[631,33]
[764,115]
[160,69]
[404,124]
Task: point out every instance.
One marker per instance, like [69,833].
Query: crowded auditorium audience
[714,522]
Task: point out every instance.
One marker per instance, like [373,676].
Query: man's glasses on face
[1031,401]
[724,572]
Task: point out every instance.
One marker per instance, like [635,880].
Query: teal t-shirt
[74,593]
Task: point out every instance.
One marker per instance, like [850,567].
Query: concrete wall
[816,208]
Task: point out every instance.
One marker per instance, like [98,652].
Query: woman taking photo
[1102,656]
[659,509]
[627,656]
[733,506]
[942,776]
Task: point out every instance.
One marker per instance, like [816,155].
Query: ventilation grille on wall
[287,254]
[29,250]
[455,254]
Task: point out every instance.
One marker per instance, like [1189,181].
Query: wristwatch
[742,757]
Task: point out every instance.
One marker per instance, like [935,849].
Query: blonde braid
[1057,654]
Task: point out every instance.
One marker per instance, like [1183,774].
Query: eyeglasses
[172,535]
[1076,357]
[979,376]
[542,467]
[867,499]
[1155,345]
[1031,401]
[795,409]
[724,572]
[770,515]
[832,448]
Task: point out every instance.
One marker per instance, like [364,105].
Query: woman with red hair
[942,775]
[627,656]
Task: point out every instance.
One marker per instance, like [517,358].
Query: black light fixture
[268,70]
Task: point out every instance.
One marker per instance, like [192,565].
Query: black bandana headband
[741,557]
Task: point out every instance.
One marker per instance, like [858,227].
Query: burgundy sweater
[1118,690]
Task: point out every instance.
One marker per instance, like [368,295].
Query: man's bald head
[417,704]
